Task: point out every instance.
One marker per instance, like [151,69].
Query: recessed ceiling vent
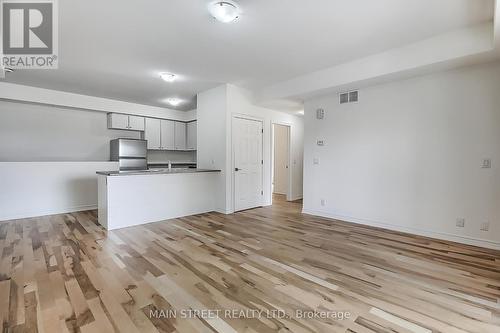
[349,97]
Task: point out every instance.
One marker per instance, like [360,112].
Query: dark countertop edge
[143,173]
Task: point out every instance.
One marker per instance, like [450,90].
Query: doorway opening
[281,171]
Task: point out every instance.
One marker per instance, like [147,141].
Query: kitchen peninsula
[138,197]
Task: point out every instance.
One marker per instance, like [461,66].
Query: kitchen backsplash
[155,156]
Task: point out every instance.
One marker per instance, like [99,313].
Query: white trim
[247,117]
[416,231]
[224,211]
[290,173]
[31,214]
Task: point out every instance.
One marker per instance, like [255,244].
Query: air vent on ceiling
[349,97]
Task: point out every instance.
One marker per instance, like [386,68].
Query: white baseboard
[30,214]
[223,211]
[431,234]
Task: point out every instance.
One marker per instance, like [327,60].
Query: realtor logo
[29,34]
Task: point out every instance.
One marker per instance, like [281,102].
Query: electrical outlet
[460,222]
[485,226]
[486,163]
[320,142]
[323,202]
[316,161]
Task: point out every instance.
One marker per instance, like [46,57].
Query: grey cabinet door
[118,121]
[167,134]
[191,136]
[152,133]
[136,123]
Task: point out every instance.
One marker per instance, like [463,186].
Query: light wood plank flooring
[269,266]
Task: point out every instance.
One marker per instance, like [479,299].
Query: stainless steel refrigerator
[130,153]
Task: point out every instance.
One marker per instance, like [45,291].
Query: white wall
[240,102]
[39,125]
[31,132]
[43,188]
[212,142]
[408,156]
[17,92]
[215,110]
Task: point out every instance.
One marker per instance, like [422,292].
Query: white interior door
[280,179]
[247,145]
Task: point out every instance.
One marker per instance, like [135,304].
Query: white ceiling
[116,48]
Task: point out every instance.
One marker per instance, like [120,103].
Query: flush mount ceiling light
[224,11]
[174,101]
[168,77]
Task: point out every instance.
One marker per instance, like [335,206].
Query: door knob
[236,169]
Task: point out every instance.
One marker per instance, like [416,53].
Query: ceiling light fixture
[174,101]
[168,77]
[224,11]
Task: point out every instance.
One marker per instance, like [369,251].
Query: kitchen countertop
[154,172]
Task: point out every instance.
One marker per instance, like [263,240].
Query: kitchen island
[137,197]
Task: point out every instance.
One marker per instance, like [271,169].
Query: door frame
[233,173]
[289,158]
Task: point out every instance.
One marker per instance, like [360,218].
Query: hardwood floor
[65,273]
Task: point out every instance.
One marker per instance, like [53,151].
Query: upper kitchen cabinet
[125,122]
[136,123]
[180,136]
[191,136]
[152,133]
[163,134]
[168,134]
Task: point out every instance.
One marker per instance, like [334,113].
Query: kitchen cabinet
[125,122]
[136,123]
[152,133]
[180,136]
[167,134]
[191,136]
[163,134]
